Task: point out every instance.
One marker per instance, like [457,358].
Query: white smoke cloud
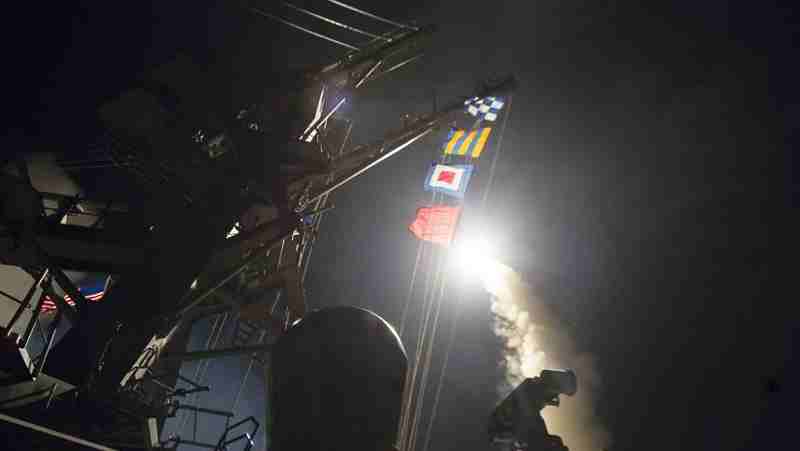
[534,340]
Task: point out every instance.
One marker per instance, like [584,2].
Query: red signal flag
[436,224]
[446,177]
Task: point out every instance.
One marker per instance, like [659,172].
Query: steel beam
[364,157]
[82,248]
[53,433]
[25,302]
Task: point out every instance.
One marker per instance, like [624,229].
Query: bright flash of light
[532,340]
[476,258]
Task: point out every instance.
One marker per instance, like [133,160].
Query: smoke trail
[533,340]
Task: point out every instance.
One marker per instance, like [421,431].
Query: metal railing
[229,436]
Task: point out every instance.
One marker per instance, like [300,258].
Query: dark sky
[643,180]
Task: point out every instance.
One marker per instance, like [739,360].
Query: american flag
[92,293]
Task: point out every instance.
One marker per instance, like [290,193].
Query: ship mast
[167,249]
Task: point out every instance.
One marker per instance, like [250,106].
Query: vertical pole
[278,265]
[194,429]
[49,344]
[51,394]
[25,301]
[322,202]
[45,286]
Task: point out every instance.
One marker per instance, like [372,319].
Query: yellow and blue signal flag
[467,143]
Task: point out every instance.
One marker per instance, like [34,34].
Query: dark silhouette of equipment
[200,202]
[517,423]
[337,383]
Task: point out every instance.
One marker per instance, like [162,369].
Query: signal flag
[436,224]
[449,179]
[461,142]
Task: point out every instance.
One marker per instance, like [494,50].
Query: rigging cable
[429,355]
[407,436]
[408,387]
[333,22]
[426,341]
[242,385]
[306,30]
[427,306]
[427,310]
[414,395]
[202,368]
[423,384]
[438,393]
[370,15]
[322,202]
[496,154]
[455,321]
[193,396]
[423,381]
[428,256]
[410,290]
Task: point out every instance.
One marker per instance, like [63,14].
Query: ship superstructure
[214,229]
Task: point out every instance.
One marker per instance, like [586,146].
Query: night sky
[641,187]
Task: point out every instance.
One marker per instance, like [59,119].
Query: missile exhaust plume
[534,340]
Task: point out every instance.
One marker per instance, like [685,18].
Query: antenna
[373,16]
[333,22]
[375,37]
[303,29]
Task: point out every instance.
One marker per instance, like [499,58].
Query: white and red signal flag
[436,224]
[449,179]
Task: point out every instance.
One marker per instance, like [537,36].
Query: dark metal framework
[172,265]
